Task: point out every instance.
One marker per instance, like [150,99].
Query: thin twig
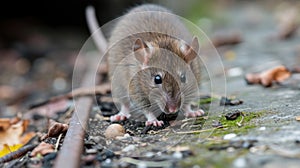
[16,154]
[57,142]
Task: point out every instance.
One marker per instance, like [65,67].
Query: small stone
[229,136]
[240,163]
[262,128]
[107,161]
[129,148]
[149,154]
[91,151]
[236,71]
[230,149]
[141,165]
[177,155]
[233,115]
[114,130]
[232,102]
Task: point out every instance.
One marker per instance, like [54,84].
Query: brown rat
[153,64]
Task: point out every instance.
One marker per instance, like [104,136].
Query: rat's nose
[172,108]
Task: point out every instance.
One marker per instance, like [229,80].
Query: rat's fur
[150,41]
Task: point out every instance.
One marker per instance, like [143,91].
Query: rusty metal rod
[70,153]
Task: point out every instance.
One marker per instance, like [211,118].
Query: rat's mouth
[171,108]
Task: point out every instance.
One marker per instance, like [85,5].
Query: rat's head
[166,73]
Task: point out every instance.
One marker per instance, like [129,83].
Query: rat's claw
[155,123]
[196,113]
[118,117]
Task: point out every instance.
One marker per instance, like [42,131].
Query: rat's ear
[141,51]
[190,52]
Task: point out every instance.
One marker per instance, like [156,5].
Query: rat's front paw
[118,117]
[192,113]
[155,123]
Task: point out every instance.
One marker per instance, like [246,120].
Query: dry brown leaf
[266,78]
[55,128]
[4,124]
[12,130]
[43,148]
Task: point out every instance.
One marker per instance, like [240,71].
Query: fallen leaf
[8,149]
[43,148]
[12,135]
[266,78]
[55,128]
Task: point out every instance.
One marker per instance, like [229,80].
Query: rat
[153,65]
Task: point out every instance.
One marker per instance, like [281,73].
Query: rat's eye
[157,79]
[182,78]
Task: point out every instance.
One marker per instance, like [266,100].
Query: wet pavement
[277,131]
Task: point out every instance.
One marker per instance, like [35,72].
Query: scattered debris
[217,124]
[55,129]
[266,78]
[232,102]
[233,115]
[114,130]
[229,136]
[12,134]
[129,148]
[16,154]
[240,122]
[43,148]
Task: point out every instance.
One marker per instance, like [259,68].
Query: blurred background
[40,40]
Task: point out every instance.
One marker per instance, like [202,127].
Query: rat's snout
[172,105]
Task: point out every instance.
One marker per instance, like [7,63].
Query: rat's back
[148,22]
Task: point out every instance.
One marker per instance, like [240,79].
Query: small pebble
[240,163]
[149,154]
[129,148]
[107,161]
[91,151]
[114,130]
[230,149]
[177,155]
[233,72]
[262,128]
[229,136]
[141,165]
[233,115]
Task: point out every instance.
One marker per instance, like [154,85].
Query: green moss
[214,159]
[207,100]
[231,126]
